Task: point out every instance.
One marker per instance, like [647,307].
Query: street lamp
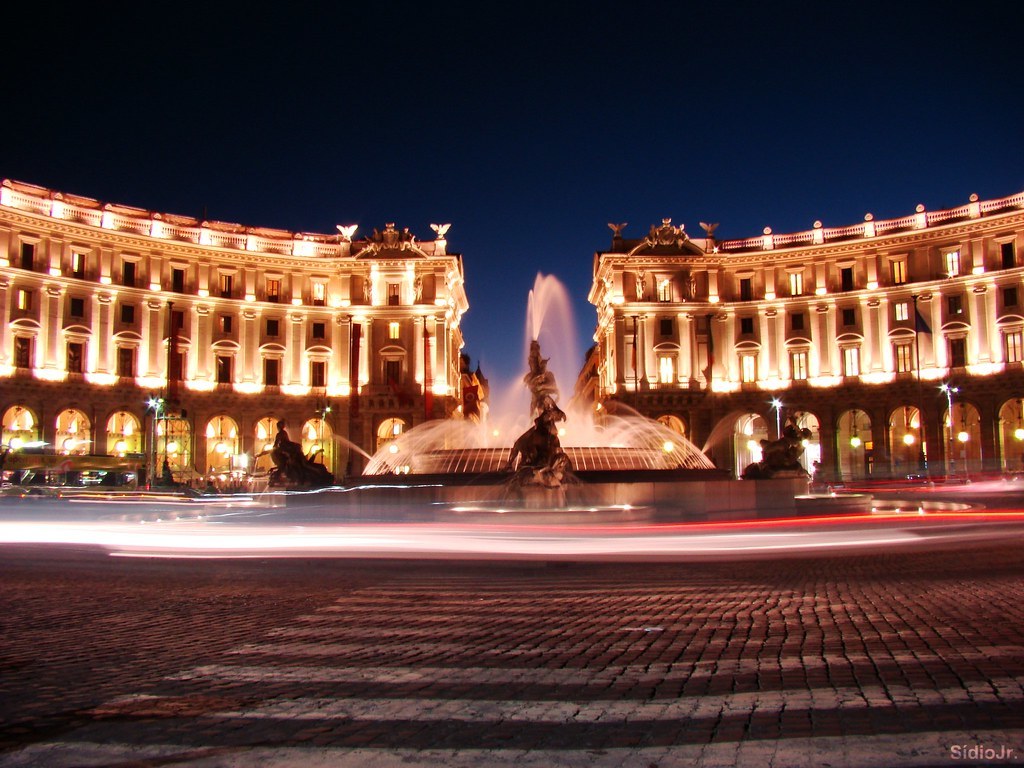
[777,405]
[156,406]
[950,391]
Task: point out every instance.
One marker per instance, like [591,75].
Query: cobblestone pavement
[912,659]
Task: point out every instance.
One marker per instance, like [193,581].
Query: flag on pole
[920,324]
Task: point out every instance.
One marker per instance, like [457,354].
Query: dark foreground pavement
[901,659]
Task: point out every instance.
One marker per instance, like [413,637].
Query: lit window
[899,271]
[273,290]
[666,369]
[955,305]
[227,284]
[394,294]
[952,263]
[851,361]
[664,290]
[749,366]
[78,265]
[223,369]
[796,283]
[319,293]
[904,355]
[394,330]
[902,311]
[76,353]
[1013,341]
[798,365]
[24,301]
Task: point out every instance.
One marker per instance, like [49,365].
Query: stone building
[898,342]
[130,337]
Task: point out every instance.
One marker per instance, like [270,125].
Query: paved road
[894,659]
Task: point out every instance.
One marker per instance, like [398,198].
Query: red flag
[353,371]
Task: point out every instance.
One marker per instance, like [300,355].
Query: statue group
[780,458]
[537,457]
[293,469]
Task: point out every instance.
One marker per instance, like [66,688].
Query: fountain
[566,464]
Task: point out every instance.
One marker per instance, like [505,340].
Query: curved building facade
[898,343]
[132,339]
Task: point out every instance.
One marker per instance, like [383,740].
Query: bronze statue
[293,468]
[780,458]
[537,457]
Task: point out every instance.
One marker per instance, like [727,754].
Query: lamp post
[777,405]
[950,391]
[156,406]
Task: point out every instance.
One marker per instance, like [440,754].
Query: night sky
[528,127]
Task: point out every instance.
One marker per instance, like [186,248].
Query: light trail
[247,527]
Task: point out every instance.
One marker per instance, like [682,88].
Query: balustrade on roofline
[42,201]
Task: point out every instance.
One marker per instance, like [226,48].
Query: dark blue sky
[527,127]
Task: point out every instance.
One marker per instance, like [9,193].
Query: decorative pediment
[390,243]
[665,238]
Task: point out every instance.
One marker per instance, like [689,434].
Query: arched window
[74,433]
[20,427]
[124,434]
[388,430]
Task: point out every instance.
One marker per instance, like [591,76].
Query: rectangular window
[125,362]
[22,352]
[28,255]
[957,353]
[796,283]
[796,321]
[1013,344]
[78,265]
[899,271]
[273,290]
[23,301]
[1009,258]
[178,280]
[394,330]
[955,305]
[76,354]
[225,323]
[271,371]
[319,294]
[317,373]
[667,369]
[76,308]
[227,285]
[319,330]
[665,326]
[798,365]
[664,290]
[127,314]
[223,369]
[846,278]
[177,363]
[749,367]
[952,260]
[746,325]
[394,294]
[1009,297]
[902,310]
[851,361]
[849,316]
[392,372]
[746,289]
[904,357]
[273,328]
[128,274]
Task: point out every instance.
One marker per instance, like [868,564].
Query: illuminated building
[135,334]
[852,332]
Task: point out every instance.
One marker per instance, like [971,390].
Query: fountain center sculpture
[537,457]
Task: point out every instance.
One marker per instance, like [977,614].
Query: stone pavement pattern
[873,661]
